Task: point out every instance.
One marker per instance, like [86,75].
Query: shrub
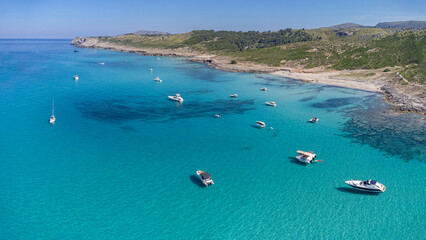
[233,61]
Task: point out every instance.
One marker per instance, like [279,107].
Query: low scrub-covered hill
[333,48]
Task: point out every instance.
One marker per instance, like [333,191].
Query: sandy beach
[332,78]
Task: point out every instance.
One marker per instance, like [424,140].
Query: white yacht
[176,98]
[233,95]
[368,185]
[271,103]
[306,157]
[314,120]
[75,77]
[264,89]
[157,79]
[102,63]
[205,178]
[260,124]
[52,118]
[217,115]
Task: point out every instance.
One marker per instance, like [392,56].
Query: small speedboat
[314,120]
[273,104]
[157,79]
[205,178]
[264,89]
[306,157]
[233,95]
[151,69]
[176,98]
[75,77]
[368,185]
[52,118]
[102,63]
[260,124]
[217,115]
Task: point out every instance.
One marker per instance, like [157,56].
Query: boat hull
[356,185]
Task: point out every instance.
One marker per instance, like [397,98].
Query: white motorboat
[271,103]
[233,95]
[205,178]
[260,124]
[176,98]
[217,115]
[264,89]
[157,79]
[151,69]
[102,63]
[306,157]
[368,185]
[53,118]
[75,77]
[314,120]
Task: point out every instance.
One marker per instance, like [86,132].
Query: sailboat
[52,118]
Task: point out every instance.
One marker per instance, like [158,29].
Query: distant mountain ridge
[347,25]
[402,24]
[147,32]
[395,25]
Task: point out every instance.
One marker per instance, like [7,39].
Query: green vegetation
[343,48]
[240,41]
[406,49]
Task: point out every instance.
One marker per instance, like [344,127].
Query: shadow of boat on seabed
[354,191]
[194,179]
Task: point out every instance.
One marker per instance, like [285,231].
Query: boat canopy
[371,182]
[205,175]
[305,153]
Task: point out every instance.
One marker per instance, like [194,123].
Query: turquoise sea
[120,161]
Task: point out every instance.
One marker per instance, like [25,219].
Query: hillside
[339,49]
[358,51]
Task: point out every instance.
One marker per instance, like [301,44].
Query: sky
[72,18]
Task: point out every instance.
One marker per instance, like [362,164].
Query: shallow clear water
[120,161]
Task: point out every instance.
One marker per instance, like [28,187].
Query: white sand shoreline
[331,78]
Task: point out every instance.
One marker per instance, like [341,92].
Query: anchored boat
[306,157]
[264,89]
[205,178]
[157,79]
[314,120]
[176,98]
[260,124]
[233,95]
[368,185]
[271,103]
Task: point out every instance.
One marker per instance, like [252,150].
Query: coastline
[405,99]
